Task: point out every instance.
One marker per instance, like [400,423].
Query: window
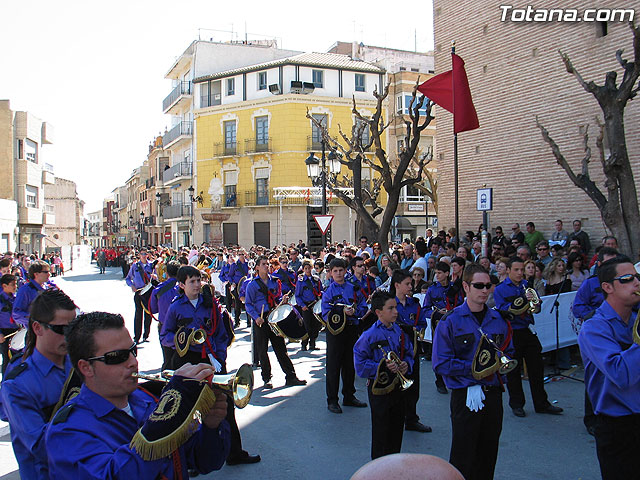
[204,94]
[31,150]
[400,145]
[318,78]
[31,196]
[230,183]
[230,137]
[316,133]
[362,129]
[365,176]
[262,134]
[403,103]
[262,186]
[262,80]
[360,82]
[210,94]
[231,86]
[187,156]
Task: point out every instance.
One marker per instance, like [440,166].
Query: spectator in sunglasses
[33,383]
[90,436]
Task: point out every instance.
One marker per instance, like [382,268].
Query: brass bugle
[237,385]
[197,337]
[393,357]
[507,364]
[535,300]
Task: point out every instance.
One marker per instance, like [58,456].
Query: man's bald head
[408,466]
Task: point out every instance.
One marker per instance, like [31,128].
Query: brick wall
[516,73]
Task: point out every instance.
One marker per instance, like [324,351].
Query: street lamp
[141,227]
[191,191]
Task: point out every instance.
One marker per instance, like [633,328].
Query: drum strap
[508,337]
[142,273]
[401,345]
[415,322]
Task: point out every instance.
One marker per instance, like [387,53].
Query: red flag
[451,91]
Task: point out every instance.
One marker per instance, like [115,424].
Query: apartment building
[62,202]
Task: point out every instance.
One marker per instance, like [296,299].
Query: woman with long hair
[534,280]
[556,276]
[411,320]
[577,272]
[501,268]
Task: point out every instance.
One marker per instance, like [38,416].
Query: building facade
[61,201]
[515,74]
[94,224]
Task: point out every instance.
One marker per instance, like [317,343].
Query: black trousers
[195,358]
[4,347]
[387,422]
[527,347]
[167,352]
[237,305]
[137,320]
[262,336]
[340,363]
[475,435]
[617,445]
[412,394]
[312,326]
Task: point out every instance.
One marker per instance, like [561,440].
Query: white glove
[218,366]
[475,396]
[532,329]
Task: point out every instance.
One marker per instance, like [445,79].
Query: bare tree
[619,206]
[392,174]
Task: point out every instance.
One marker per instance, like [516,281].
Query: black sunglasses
[480,285]
[116,357]
[59,329]
[626,278]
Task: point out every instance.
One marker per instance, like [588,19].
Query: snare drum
[17,340]
[286,322]
[317,311]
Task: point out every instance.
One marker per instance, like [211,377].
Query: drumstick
[12,334]
[261,313]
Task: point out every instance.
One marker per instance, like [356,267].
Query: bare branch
[587,152]
[590,87]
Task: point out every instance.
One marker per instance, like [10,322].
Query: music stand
[556,306]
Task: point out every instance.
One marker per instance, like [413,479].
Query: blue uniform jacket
[6,309]
[168,290]
[182,312]
[25,399]
[287,278]
[411,313]
[255,300]
[611,363]
[238,270]
[242,289]
[504,294]
[135,277]
[367,285]
[346,294]
[367,356]
[27,293]
[455,341]
[93,442]
[588,297]
[224,272]
[308,289]
[436,297]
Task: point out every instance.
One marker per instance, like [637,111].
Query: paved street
[298,438]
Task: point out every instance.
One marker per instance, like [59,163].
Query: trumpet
[197,336]
[506,364]
[534,303]
[392,356]
[238,386]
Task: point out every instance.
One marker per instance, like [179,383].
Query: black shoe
[442,389]
[145,340]
[354,402]
[193,472]
[267,385]
[236,325]
[519,412]
[417,427]
[552,409]
[591,430]
[243,459]
[313,347]
[303,347]
[334,408]
[295,381]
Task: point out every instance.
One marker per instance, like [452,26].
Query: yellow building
[253,135]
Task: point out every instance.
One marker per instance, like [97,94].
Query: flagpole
[455,150]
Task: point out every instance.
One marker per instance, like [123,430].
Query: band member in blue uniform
[387,402]
[89,437]
[264,293]
[224,277]
[610,347]
[360,278]
[441,297]
[32,388]
[588,298]
[161,299]
[411,319]
[237,270]
[286,276]
[139,276]
[476,400]
[341,299]
[308,291]
[8,285]
[39,272]
[511,296]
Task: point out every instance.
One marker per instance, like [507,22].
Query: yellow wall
[289,130]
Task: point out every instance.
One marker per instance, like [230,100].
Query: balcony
[150,182]
[181,131]
[49,217]
[224,149]
[289,196]
[176,173]
[255,146]
[314,143]
[48,178]
[178,97]
[178,210]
